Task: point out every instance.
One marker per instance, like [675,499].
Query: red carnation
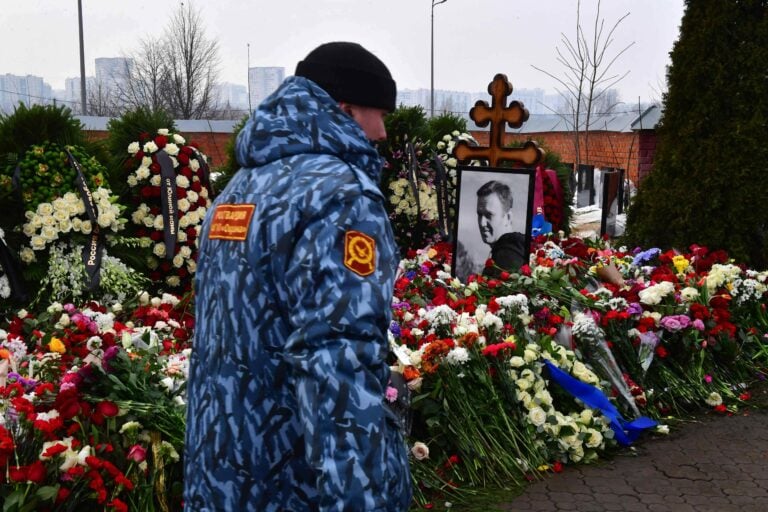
[118,505]
[107,408]
[36,472]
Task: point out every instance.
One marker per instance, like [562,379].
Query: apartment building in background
[263,81]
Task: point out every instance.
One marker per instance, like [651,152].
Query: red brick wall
[606,149]
[628,151]
[212,144]
[647,148]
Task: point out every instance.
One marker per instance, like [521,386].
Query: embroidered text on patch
[231,221]
[359,253]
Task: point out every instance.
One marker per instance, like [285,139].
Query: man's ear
[508,215]
[346,108]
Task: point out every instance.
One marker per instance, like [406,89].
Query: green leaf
[47,492]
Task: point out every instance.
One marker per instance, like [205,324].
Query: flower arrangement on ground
[495,369]
[92,407]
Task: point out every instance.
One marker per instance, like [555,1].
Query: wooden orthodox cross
[498,114]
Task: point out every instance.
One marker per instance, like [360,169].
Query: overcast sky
[474,39]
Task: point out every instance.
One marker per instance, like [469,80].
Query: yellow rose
[56,345]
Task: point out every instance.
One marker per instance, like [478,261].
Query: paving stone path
[712,464]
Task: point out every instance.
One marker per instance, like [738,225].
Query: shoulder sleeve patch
[231,222]
[359,253]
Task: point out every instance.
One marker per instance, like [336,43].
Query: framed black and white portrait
[493,220]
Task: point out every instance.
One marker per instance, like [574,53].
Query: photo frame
[475,240]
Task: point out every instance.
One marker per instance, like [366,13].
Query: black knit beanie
[350,73]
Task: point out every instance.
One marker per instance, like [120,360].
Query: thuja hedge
[708,182]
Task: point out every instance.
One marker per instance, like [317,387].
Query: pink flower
[708,378]
[674,323]
[698,325]
[137,453]
[390,394]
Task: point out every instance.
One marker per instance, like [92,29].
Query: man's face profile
[492,218]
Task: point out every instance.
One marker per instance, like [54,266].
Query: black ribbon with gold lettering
[93,249]
[413,179]
[12,272]
[168,202]
[441,187]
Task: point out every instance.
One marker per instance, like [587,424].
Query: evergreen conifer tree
[708,185]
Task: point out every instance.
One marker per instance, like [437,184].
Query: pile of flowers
[193,193]
[92,406]
[91,396]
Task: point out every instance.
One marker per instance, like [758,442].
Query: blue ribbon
[625,431]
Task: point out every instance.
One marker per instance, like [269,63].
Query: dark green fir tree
[708,185]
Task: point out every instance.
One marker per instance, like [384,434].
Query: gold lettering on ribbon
[169,200]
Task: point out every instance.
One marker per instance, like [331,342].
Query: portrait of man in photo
[494,221]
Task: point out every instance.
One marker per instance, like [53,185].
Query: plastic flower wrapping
[168,209]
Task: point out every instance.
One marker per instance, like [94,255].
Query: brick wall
[647,148]
[606,149]
[628,151]
[212,144]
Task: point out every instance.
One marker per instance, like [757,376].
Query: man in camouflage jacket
[293,288]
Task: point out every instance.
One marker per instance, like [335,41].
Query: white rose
[420,451]
[593,439]
[516,361]
[173,281]
[529,355]
[172,149]
[537,416]
[178,139]
[138,216]
[106,219]
[159,250]
[183,205]
[150,147]
[586,416]
[37,243]
[27,255]
[155,180]
[49,233]
[182,181]
[178,261]
[142,173]
[146,161]
[133,148]
[45,209]
[132,181]
[86,227]
[158,223]
[162,131]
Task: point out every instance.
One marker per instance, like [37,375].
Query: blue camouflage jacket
[293,289]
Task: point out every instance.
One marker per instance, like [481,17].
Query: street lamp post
[432,59]
[82,57]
